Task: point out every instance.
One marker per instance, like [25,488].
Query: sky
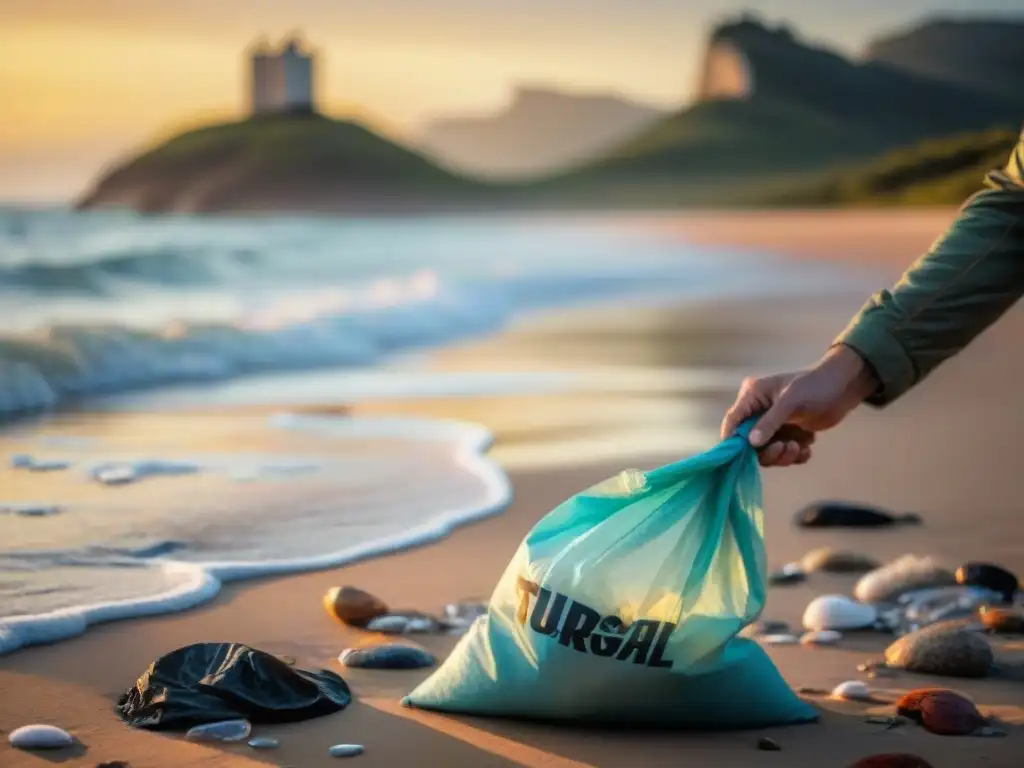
[83,82]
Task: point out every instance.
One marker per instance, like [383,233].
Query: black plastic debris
[208,682]
[844,514]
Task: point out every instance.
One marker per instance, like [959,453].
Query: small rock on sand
[224,730]
[40,736]
[766,744]
[892,760]
[948,649]
[765,627]
[836,514]
[790,573]
[824,637]
[353,606]
[1007,621]
[837,561]
[902,575]
[264,742]
[852,690]
[990,577]
[941,711]
[345,750]
[780,639]
[386,657]
[838,612]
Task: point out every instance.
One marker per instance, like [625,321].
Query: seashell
[902,575]
[990,577]
[353,606]
[224,730]
[837,561]
[941,711]
[40,736]
[386,657]
[838,612]
[942,649]
[822,637]
[345,750]
[852,690]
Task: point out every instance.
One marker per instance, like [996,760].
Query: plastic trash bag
[622,605]
[210,682]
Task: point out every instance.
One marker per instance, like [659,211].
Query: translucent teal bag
[623,604]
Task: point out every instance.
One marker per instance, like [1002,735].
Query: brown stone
[837,561]
[947,648]
[1009,621]
[941,711]
[892,760]
[353,606]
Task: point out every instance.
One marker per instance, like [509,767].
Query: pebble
[837,561]
[892,760]
[1008,621]
[824,637]
[902,575]
[386,657]
[390,625]
[790,573]
[353,606]
[224,730]
[838,612]
[264,742]
[765,627]
[29,510]
[113,764]
[852,690]
[24,461]
[807,690]
[835,514]
[947,649]
[768,745]
[941,711]
[990,577]
[345,750]
[40,736]
[780,639]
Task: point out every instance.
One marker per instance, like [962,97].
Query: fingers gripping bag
[623,605]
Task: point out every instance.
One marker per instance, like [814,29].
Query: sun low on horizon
[86,83]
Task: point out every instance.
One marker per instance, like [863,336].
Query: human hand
[794,406]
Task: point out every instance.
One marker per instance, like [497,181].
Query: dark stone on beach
[842,514]
[353,606]
[113,764]
[791,573]
[941,711]
[990,577]
[768,745]
[1004,621]
[948,649]
[807,690]
[386,657]
[892,760]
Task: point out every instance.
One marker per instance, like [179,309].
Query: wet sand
[948,451]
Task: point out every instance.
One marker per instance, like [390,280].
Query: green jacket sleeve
[968,278]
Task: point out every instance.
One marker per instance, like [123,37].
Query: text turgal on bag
[623,605]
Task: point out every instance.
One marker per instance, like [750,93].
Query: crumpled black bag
[207,682]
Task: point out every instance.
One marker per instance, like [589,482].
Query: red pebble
[941,711]
[892,761]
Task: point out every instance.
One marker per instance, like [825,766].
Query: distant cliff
[987,55]
[287,162]
[540,131]
[773,108]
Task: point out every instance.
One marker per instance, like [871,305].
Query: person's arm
[970,276]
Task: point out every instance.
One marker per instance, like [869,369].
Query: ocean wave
[188,584]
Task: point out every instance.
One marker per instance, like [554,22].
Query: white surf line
[500,746]
[205,579]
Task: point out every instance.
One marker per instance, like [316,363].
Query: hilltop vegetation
[934,172]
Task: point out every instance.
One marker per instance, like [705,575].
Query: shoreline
[902,458]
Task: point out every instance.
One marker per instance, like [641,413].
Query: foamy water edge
[471,442]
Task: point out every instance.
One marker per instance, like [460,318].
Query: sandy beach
[948,451]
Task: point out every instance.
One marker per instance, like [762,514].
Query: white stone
[40,736]
[852,690]
[390,624]
[781,639]
[822,637]
[345,750]
[902,575]
[838,612]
